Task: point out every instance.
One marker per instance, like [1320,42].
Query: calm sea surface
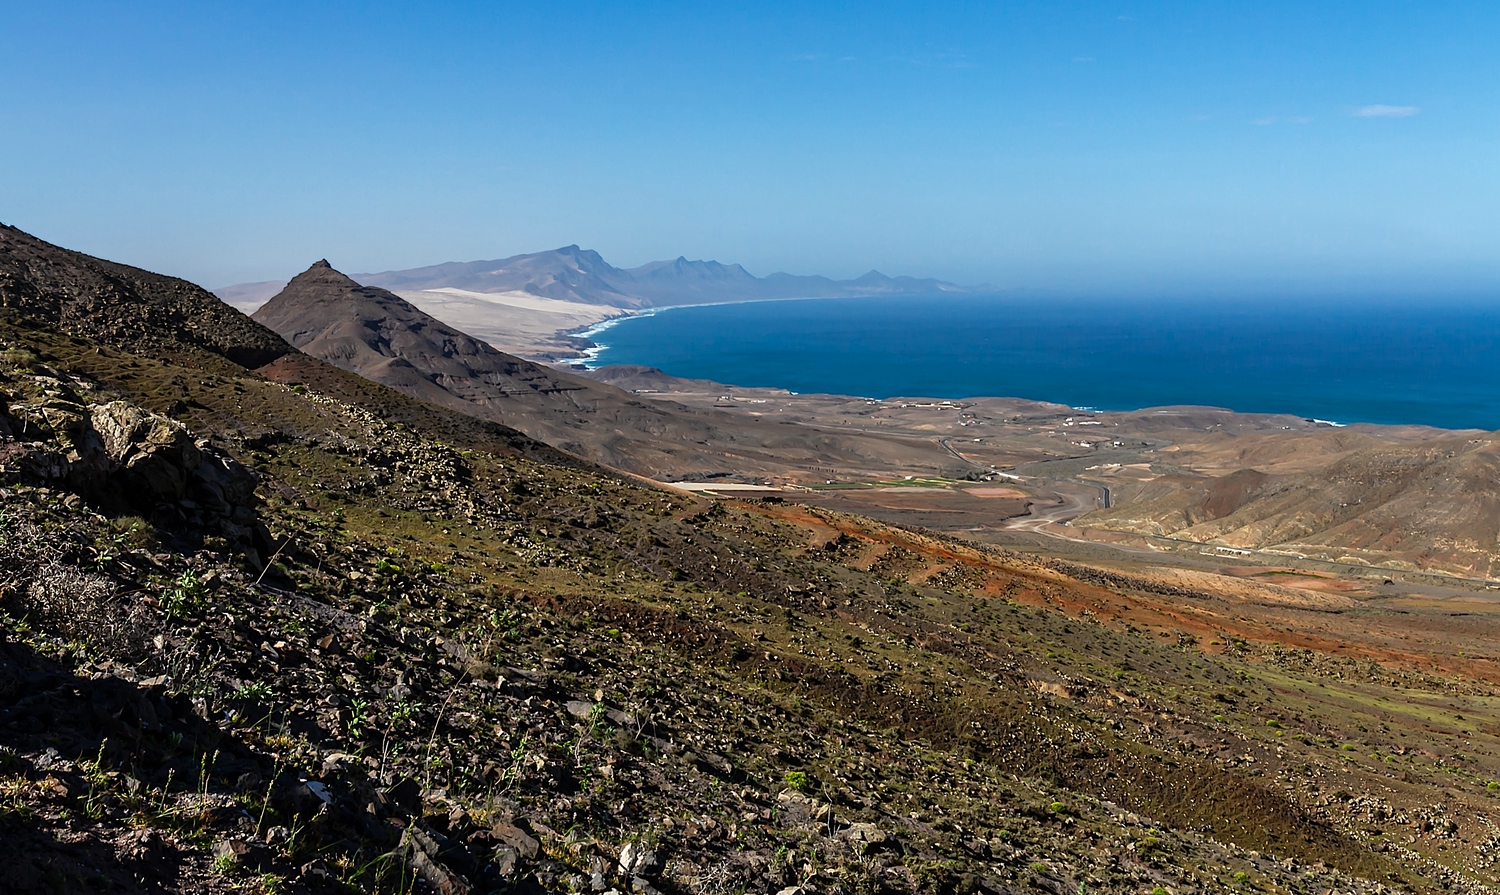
[1431,363]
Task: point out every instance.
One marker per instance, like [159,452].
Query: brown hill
[46,289]
[124,306]
[1359,497]
[380,336]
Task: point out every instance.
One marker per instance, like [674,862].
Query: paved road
[1056,503]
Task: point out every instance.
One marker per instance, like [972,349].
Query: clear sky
[1110,147]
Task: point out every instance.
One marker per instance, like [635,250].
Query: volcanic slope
[121,305]
[462,669]
[379,335]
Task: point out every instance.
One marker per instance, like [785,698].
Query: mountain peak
[320,288]
[573,273]
[322,272]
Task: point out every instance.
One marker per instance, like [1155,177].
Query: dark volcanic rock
[125,459]
[124,307]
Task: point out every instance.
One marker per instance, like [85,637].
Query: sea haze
[1433,363]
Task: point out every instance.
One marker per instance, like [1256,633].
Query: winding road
[1073,500]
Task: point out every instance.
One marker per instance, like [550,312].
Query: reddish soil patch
[1424,638]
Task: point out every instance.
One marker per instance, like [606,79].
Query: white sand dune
[517,322]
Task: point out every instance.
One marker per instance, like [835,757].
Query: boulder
[156,452]
[125,459]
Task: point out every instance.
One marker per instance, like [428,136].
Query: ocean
[1432,362]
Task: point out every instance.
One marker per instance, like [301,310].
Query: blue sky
[1104,148]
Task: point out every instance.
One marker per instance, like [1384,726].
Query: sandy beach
[518,323]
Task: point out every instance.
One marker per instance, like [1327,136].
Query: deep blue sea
[1430,362]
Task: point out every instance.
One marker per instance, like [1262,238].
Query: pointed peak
[322,287]
[320,281]
[322,270]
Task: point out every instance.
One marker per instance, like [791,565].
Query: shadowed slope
[124,306]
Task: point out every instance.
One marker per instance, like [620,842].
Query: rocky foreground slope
[278,630]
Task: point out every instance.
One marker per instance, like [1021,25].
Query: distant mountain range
[582,275]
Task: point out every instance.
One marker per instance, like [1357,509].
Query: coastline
[1100,357]
[589,356]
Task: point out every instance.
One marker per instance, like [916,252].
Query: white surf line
[591,355]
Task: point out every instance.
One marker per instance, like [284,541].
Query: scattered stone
[865,837]
[636,860]
[505,860]
[515,837]
[336,763]
[405,797]
[424,851]
[146,846]
[319,791]
[243,854]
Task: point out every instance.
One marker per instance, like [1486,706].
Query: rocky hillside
[310,635]
[382,337]
[121,305]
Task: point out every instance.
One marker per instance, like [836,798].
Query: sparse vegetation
[513,667]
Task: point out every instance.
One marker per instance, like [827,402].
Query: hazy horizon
[1094,149]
